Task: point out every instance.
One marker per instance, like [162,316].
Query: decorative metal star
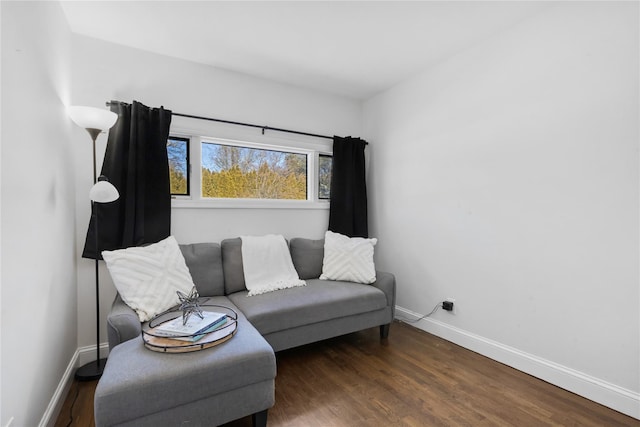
[189,305]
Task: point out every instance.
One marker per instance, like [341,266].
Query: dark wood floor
[412,379]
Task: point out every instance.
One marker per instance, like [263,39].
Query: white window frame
[195,200]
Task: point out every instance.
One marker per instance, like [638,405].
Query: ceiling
[351,48]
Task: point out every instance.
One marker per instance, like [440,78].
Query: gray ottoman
[210,387]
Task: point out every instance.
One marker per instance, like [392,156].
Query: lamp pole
[93,371]
[95,121]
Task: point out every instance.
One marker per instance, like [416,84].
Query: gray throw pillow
[205,265]
[232,265]
[307,256]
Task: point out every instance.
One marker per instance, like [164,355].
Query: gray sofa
[130,391]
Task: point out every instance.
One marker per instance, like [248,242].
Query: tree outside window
[178,154]
[249,173]
[324,176]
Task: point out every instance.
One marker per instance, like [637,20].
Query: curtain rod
[191,116]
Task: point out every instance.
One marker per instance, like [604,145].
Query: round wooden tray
[169,345]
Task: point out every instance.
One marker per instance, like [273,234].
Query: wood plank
[77,409]
[412,379]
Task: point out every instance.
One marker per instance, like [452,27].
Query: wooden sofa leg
[260,418]
[384,331]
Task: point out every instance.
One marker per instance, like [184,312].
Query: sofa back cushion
[307,256]
[205,265]
[232,265]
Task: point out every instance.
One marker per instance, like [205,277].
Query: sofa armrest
[386,282]
[123,323]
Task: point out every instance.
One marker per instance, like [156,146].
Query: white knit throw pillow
[348,258]
[148,277]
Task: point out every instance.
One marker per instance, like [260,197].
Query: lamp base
[91,371]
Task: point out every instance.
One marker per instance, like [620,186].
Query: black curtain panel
[348,208]
[136,164]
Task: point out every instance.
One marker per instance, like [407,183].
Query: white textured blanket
[267,264]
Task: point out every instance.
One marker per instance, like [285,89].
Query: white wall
[506,177]
[104,71]
[38,217]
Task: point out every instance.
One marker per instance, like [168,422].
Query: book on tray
[195,328]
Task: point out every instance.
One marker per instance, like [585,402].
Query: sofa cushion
[319,301]
[148,277]
[348,258]
[307,256]
[232,265]
[205,265]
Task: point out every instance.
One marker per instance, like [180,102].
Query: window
[178,153]
[230,171]
[324,176]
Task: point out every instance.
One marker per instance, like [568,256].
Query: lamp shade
[92,118]
[103,192]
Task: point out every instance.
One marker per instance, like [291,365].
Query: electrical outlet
[452,307]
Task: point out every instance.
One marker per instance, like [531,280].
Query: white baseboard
[80,357]
[595,389]
[88,354]
[57,400]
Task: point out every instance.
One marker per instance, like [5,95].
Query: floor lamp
[95,121]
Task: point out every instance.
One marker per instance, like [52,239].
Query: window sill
[184,203]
